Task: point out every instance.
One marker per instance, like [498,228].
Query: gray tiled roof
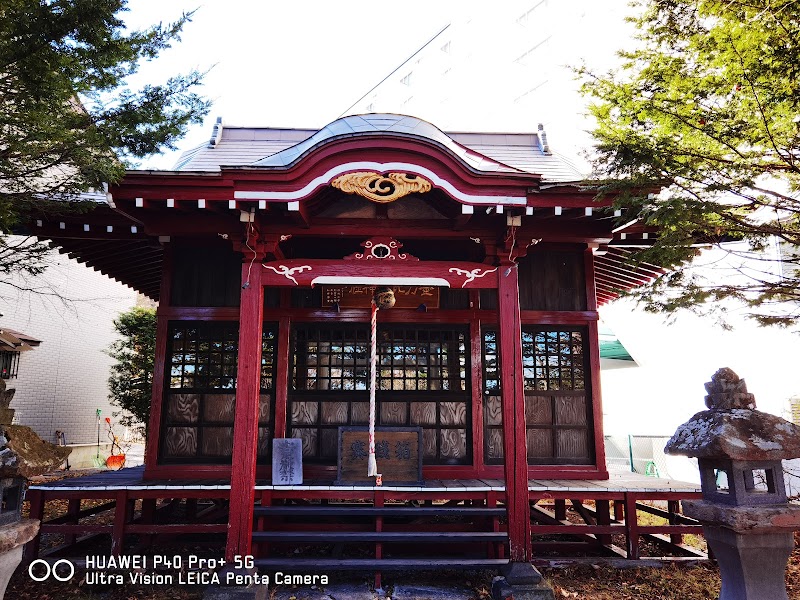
[275,148]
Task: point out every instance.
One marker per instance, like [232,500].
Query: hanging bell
[383,297]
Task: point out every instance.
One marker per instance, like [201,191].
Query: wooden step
[377,511]
[320,565]
[342,537]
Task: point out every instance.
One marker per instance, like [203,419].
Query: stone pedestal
[521,581]
[12,539]
[752,565]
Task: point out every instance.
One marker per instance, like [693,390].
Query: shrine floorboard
[452,522]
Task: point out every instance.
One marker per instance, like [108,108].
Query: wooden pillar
[37,500]
[594,366]
[513,394]
[476,361]
[159,364]
[149,507]
[282,367]
[73,512]
[245,429]
[120,520]
[631,526]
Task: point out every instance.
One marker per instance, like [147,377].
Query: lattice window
[422,359]
[200,399]
[553,359]
[332,359]
[557,402]
[421,382]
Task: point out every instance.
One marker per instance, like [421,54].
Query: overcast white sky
[290,64]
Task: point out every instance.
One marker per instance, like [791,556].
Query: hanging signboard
[398,452]
[359,296]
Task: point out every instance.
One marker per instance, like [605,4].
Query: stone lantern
[12,484]
[746,519]
[22,455]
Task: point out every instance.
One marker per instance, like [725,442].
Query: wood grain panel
[552,280]
[180,441]
[571,410]
[217,441]
[309,439]
[429,449]
[453,443]
[423,413]
[328,443]
[264,408]
[183,408]
[573,444]
[207,275]
[453,413]
[493,409]
[494,444]
[219,407]
[334,413]
[538,410]
[264,443]
[540,443]
[393,413]
[488,299]
[359,413]
[304,413]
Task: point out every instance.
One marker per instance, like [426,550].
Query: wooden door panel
[572,444]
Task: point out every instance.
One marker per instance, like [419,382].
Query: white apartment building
[62,382]
[505,67]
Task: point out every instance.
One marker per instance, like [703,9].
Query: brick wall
[63,381]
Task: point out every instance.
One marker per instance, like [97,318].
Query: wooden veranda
[462,522]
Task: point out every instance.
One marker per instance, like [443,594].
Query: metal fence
[644,454]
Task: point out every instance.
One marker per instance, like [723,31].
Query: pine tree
[69,121]
[707,107]
[131,380]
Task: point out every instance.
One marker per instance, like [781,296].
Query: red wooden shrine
[501,372]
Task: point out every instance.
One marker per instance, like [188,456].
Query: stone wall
[63,381]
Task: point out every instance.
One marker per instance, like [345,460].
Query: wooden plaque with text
[359,296]
[398,451]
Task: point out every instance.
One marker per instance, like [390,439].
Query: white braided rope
[372,466]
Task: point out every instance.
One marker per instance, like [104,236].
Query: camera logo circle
[54,571]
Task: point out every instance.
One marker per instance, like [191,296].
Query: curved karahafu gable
[385,124]
[398,147]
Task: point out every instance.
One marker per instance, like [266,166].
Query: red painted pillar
[245,429]
[513,393]
[159,365]
[594,367]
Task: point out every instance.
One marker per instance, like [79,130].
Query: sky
[287,64]
[301,64]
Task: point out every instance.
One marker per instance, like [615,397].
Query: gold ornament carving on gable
[381,188]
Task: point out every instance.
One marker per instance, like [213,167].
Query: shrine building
[264,248]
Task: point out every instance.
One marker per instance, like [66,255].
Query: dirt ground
[591,582]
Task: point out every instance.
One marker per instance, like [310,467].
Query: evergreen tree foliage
[707,108]
[68,117]
[131,380]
